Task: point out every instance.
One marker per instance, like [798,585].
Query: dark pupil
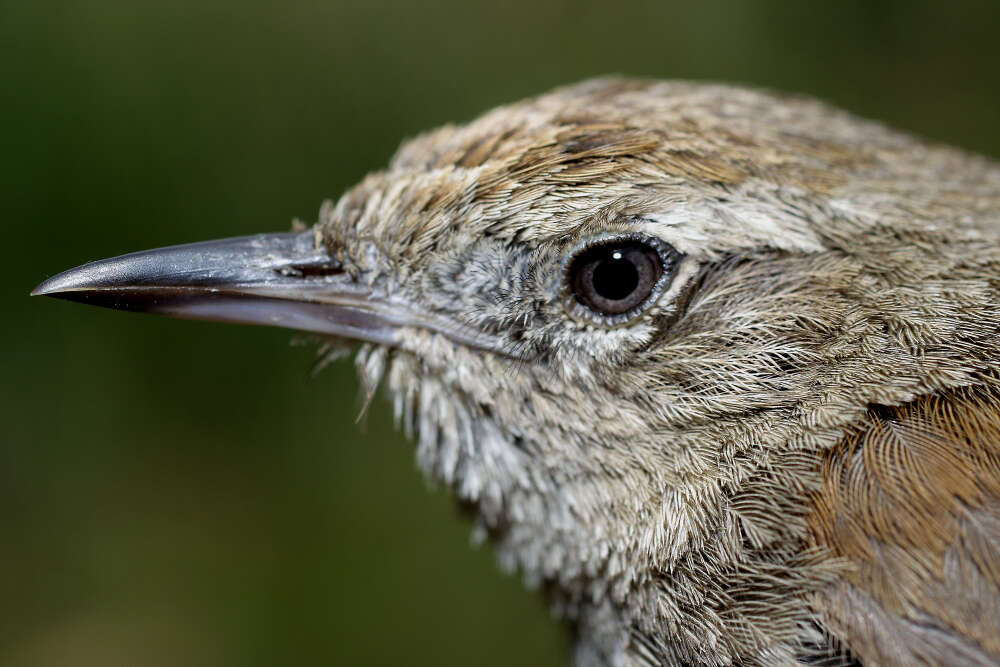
[615,277]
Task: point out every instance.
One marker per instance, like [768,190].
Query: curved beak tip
[47,287]
[63,285]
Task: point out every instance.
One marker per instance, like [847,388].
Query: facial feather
[669,468]
[829,263]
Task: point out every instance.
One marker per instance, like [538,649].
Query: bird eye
[616,279]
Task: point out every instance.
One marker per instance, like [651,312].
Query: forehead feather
[704,163]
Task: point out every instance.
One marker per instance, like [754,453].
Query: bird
[717,368]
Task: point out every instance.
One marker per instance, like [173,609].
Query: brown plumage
[716,367]
[911,502]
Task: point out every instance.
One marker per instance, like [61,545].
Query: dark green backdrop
[176,493]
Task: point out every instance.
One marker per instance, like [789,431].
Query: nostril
[325,269]
[311,269]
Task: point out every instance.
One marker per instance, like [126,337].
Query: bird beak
[280,280]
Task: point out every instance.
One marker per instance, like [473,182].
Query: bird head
[620,319]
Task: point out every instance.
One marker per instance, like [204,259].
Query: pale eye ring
[612,280]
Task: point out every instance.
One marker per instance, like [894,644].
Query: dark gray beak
[280,280]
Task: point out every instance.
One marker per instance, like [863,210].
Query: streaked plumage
[790,454]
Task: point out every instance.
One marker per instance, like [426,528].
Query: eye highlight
[613,280]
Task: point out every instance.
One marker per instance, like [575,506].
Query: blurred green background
[178,493]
